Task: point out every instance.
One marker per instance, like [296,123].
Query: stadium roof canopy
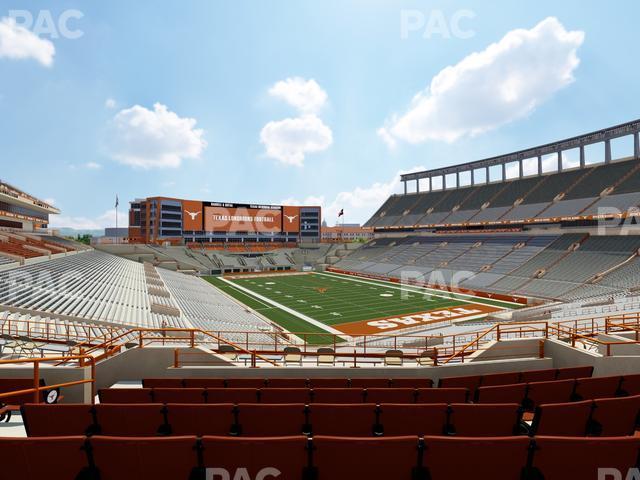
[600,136]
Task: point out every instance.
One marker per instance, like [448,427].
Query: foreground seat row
[323,457]
[283,395]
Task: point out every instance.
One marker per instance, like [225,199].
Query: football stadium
[485,325]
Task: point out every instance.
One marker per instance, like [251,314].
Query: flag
[117,201]
[341,212]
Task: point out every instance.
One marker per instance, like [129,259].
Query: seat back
[470,382]
[288,383]
[163,382]
[204,382]
[232,395]
[135,420]
[343,419]
[271,420]
[562,419]
[328,382]
[596,387]
[630,384]
[411,383]
[491,420]
[539,393]
[285,395]
[570,373]
[614,417]
[545,375]
[493,379]
[442,395]
[125,395]
[369,382]
[200,419]
[42,420]
[179,395]
[8,385]
[337,395]
[391,395]
[417,420]
[245,382]
[514,393]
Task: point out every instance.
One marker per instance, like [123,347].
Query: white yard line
[291,311]
[416,289]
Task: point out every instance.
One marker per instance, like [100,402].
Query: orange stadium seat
[494,379]
[442,395]
[284,395]
[125,395]
[118,458]
[574,372]
[259,420]
[471,382]
[232,395]
[458,458]
[179,395]
[329,383]
[42,420]
[136,420]
[562,458]
[365,458]
[337,395]
[546,375]
[288,383]
[253,458]
[343,419]
[515,393]
[630,385]
[33,458]
[496,420]
[391,395]
[558,391]
[204,383]
[190,419]
[412,383]
[163,383]
[402,419]
[614,416]
[596,387]
[563,419]
[245,382]
[369,382]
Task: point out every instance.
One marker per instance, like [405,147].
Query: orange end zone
[388,324]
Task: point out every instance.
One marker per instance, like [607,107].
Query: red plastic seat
[16,384]
[204,383]
[328,383]
[118,458]
[42,420]
[562,419]
[285,395]
[539,393]
[136,420]
[442,395]
[287,383]
[491,420]
[391,395]
[260,420]
[471,382]
[194,419]
[163,383]
[458,458]
[570,373]
[34,458]
[253,458]
[337,395]
[630,385]
[245,383]
[179,395]
[546,375]
[493,379]
[365,458]
[232,395]
[614,417]
[425,419]
[502,394]
[370,382]
[562,458]
[125,395]
[412,383]
[596,387]
[343,419]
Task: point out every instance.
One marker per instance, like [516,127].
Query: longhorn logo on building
[193,215]
[291,218]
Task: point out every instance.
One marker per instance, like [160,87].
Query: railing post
[192,339]
[140,338]
[93,382]
[435,356]
[36,381]
[253,359]
[176,361]
[497,335]
[541,349]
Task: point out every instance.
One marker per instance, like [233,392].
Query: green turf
[346,299]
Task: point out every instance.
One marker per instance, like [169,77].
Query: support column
[636,145]
[457,179]
[582,158]
[417,185]
[430,185]
[473,177]
[504,172]
[607,151]
[520,169]
[486,175]
[560,167]
[539,164]
[405,187]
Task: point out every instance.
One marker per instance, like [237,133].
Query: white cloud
[50,201]
[107,219]
[93,166]
[110,103]
[18,43]
[305,95]
[289,140]
[156,138]
[487,89]
[359,204]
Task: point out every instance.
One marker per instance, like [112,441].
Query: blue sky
[315,101]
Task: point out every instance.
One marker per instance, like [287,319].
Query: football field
[347,305]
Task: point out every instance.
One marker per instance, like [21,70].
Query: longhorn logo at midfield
[291,219]
[193,215]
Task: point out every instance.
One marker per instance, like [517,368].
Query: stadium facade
[21,210]
[163,220]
